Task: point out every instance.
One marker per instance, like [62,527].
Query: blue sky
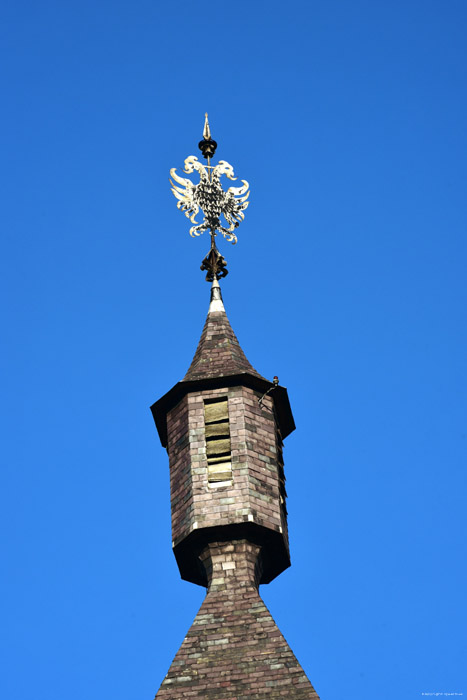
[348,282]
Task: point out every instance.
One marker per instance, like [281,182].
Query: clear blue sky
[348,281]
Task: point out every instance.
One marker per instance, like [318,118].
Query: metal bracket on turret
[275,382]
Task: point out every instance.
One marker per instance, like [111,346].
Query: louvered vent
[217,431]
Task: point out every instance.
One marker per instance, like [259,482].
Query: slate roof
[219,353]
[234,649]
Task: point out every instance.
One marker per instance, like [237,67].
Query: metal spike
[207,130]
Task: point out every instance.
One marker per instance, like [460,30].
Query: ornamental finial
[209,196]
[207,146]
[206,130]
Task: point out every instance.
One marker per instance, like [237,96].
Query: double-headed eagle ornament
[209,197]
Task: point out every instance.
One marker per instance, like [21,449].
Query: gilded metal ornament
[208,194]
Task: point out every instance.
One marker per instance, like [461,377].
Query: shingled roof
[218,353]
[234,649]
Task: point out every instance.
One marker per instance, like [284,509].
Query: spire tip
[206,130]
[207,146]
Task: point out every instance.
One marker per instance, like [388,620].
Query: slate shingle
[234,649]
[218,353]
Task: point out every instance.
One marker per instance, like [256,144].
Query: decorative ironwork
[209,197]
[215,265]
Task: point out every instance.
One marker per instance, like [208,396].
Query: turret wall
[241,486]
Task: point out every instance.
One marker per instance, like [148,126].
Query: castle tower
[223,427]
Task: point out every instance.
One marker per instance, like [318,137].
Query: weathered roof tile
[218,353]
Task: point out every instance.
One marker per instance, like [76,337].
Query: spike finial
[207,146]
[206,130]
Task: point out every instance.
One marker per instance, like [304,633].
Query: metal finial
[206,130]
[214,264]
[209,196]
[207,146]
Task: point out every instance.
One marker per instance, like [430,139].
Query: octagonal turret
[223,427]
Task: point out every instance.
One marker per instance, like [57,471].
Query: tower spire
[223,426]
[219,353]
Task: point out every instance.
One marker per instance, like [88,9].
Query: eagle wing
[185,192]
[234,204]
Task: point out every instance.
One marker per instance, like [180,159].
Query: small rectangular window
[217,433]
